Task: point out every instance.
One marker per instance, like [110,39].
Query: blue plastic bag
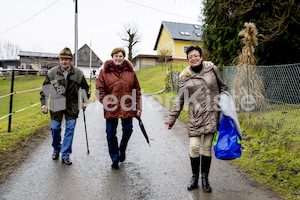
[227,145]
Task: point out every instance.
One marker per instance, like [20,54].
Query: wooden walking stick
[87,143]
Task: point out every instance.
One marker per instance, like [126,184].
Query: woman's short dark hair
[191,48]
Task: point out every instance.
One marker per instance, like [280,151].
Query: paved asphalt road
[159,172]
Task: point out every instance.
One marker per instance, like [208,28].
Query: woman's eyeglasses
[193,56]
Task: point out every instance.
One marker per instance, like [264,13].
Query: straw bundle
[247,80]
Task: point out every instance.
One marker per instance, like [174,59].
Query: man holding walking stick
[61,91]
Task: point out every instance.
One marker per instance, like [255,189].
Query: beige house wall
[148,61]
[34,66]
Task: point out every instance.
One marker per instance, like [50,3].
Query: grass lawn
[152,79]
[271,153]
[26,122]
[271,148]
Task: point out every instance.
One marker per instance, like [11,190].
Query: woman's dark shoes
[205,166]
[205,184]
[195,163]
[115,165]
[55,155]
[194,182]
[122,156]
[67,161]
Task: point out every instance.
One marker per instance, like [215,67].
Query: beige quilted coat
[201,92]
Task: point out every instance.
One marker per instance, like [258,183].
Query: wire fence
[18,92]
[11,94]
[14,72]
[3,117]
[271,92]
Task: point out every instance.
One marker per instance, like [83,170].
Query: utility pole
[76,32]
[90,64]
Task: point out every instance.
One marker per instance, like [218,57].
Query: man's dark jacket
[61,94]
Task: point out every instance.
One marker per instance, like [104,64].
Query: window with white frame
[185,48]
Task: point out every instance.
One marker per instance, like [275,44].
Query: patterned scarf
[118,69]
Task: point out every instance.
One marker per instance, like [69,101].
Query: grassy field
[271,151]
[26,122]
[152,79]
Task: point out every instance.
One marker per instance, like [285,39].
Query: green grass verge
[26,122]
[271,150]
[152,79]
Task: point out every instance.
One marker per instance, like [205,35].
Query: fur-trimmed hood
[114,86]
[108,65]
[187,72]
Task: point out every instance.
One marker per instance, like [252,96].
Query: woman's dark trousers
[112,140]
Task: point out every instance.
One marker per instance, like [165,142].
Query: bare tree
[131,36]
[8,50]
[165,55]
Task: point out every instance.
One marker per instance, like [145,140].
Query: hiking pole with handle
[87,143]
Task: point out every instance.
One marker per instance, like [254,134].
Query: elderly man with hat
[60,91]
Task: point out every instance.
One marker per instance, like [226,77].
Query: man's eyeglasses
[193,56]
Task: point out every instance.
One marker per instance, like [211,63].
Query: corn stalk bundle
[247,80]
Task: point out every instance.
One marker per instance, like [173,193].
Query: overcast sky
[48,25]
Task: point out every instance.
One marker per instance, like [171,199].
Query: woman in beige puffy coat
[200,84]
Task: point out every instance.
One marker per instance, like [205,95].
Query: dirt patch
[10,160]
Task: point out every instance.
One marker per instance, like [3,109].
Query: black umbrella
[143,128]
